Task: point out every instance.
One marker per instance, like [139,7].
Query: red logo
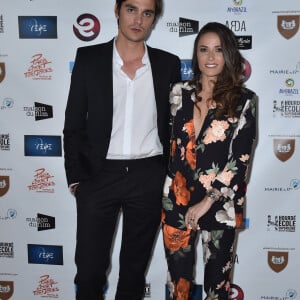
[87,27]
[236,293]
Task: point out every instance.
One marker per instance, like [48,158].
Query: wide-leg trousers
[133,187]
[218,248]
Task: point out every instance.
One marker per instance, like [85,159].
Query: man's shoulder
[161,52]
[96,47]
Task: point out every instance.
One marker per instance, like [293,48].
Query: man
[116,144]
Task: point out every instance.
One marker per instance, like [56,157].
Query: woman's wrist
[214,194]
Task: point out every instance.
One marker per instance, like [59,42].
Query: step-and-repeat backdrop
[38,42]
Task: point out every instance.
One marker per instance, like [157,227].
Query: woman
[213,130]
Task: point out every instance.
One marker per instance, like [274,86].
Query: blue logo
[45,254]
[186,69]
[37,27]
[42,145]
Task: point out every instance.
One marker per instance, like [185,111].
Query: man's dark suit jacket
[88,115]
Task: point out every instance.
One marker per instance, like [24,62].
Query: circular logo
[247,70]
[8,102]
[87,27]
[289,82]
[236,293]
[238,2]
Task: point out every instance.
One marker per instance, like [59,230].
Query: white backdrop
[37,35]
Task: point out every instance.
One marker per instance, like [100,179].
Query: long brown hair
[227,88]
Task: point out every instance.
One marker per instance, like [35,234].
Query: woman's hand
[196,211]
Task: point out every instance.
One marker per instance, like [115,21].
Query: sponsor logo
[7,249]
[184,27]
[39,111]
[4,185]
[244,42]
[282,223]
[284,148]
[186,69]
[236,293]
[41,222]
[236,25]
[42,145]
[294,185]
[42,182]
[278,260]
[87,27]
[45,254]
[4,142]
[288,25]
[6,289]
[247,70]
[290,294]
[10,215]
[37,27]
[238,7]
[2,71]
[1,24]
[289,89]
[286,108]
[47,287]
[40,68]
[7,103]
[286,71]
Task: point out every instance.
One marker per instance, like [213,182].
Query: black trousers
[135,188]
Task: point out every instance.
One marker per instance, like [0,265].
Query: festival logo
[186,69]
[184,27]
[40,68]
[39,111]
[278,260]
[289,89]
[238,7]
[4,142]
[45,254]
[288,26]
[6,250]
[286,108]
[41,222]
[4,185]
[284,148]
[37,27]
[282,223]
[6,289]
[42,145]
[47,287]
[2,71]
[87,27]
[42,182]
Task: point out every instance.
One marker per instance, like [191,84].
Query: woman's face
[210,55]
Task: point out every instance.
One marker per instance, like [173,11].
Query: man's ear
[116,11]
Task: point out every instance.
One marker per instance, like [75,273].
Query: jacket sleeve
[231,181]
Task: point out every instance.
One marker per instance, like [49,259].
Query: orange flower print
[216,132]
[178,186]
[189,127]
[174,238]
[239,220]
[190,154]
[182,289]
[207,179]
[173,148]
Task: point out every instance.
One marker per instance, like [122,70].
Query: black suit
[87,131]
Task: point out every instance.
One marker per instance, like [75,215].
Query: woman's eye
[202,49]
[219,49]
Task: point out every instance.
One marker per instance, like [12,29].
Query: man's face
[136,18]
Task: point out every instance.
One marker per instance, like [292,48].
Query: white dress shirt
[134,131]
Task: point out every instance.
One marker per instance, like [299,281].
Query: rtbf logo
[236,293]
[87,27]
